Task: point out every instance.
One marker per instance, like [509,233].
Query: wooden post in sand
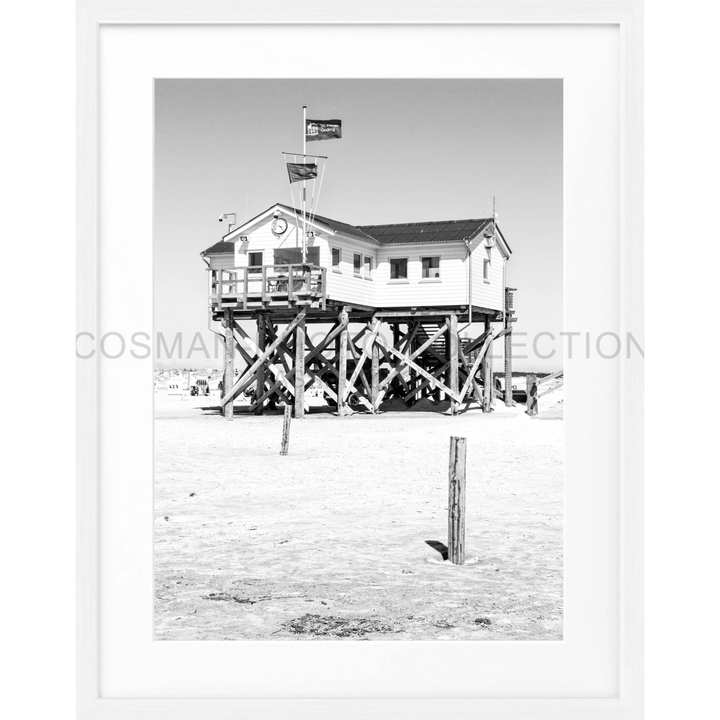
[285,443]
[531,390]
[342,363]
[229,374]
[456,501]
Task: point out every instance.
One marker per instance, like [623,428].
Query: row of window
[362,264]
[398,266]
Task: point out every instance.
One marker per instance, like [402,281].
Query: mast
[304,235]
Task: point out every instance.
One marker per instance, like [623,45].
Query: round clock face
[279,226]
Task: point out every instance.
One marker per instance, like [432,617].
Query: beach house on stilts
[401,301]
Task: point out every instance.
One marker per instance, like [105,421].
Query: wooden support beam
[276,371]
[399,377]
[364,400]
[454,345]
[260,382]
[300,369]
[229,374]
[531,389]
[508,347]
[434,382]
[548,378]
[412,356]
[473,370]
[456,501]
[487,377]
[367,351]
[426,383]
[375,371]
[477,390]
[342,362]
[245,381]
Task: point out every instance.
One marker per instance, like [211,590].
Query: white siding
[450,290]
[345,285]
[225,261]
[488,295]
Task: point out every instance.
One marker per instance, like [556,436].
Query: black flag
[322,129]
[301,171]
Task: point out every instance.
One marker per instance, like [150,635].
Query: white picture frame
[627,16]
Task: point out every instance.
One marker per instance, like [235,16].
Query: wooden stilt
[342,362]
[487,377]
[508,346]
[248,377]
[375,372]
[456,501]
[260,383]
[454,343]
[300,370]
[229,374]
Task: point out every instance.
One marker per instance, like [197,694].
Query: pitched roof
[437,231]
[220,248]
[334,224]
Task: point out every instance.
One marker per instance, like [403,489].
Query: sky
[412,150]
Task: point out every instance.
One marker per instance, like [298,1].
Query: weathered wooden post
[260,382]
[342,362]
[508,346]
[285,443]
[456,501]
[531,390]
[300,370]
[487,375]
[454,355]
[229,374]
[375,372]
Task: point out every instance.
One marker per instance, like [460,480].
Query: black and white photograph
[359,420]
[367,353]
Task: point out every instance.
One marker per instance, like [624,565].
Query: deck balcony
[267,286]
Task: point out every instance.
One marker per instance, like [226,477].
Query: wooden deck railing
[268,285]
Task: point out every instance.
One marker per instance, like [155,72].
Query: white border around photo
[596,671]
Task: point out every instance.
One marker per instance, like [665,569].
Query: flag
[301,171]
[322,129]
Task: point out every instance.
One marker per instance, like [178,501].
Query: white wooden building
[438,264]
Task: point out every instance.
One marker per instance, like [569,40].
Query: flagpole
[304,237]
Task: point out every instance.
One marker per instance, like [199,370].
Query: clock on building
[279,226]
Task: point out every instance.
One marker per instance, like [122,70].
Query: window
[293,256]
[398,268]
[336,258]
[486,271]
[255,261]
[368,267]
[357,263]
[431,267]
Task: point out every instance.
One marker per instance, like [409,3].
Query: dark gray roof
[335,225]
[220,248]
[437,231]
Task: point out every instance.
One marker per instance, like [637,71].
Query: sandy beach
[329,542]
